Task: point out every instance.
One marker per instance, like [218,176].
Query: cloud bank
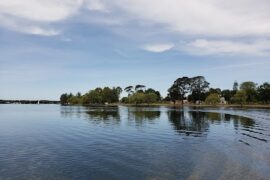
[211,26]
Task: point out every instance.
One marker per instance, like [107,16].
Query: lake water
[73,142]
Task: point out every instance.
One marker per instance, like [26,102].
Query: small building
[223,101]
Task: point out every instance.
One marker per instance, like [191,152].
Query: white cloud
[40,31]
[209,47]
[207,17]
[96,5]
[158,48]
[40,10]
[35,16]
[27,28]
[200,20]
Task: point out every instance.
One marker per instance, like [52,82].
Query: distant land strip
[28,102]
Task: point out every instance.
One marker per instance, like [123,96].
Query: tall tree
[173,93]
[240,97]
[199,86]
[64,99]
[264,92]
[139,87]
[235,86]
[129,89]
[182,86]
[250,88]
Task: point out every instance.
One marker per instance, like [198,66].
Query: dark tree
[139,87]
[264,93]
[174,93]
[129,89]
[214,91]
[235,86]
[64,99]
[199,86]
[227,94]
[180,88]
[78,95]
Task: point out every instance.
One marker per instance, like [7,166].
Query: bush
[142,98]
[212,99]
[240,97]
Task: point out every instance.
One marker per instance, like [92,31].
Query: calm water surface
[73,142]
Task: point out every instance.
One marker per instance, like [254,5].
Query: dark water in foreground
[54,142]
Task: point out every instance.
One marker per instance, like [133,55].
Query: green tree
[227,94]
[214,91]
[212,99]
[94,97]
[173,93]
[74,100]
[199,86]
[150,90]
[137,98]
[240,97]
[151,98]
[124,100]
[180,87]
[250,88]
[64,99]
[263,92]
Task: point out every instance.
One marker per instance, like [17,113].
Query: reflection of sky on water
[76,142]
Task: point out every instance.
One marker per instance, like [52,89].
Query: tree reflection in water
[188,122]
[106,115]
[142,115]
[197,123]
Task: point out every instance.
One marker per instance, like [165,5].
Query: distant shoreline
[28,102]
[138,105]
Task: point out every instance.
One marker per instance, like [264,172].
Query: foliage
[240,97]
[96,96]
[196,86]
[212,99]
[195,89]
[144,97]
[129,89]
[199,87]
[235,86]
[64,99]
[139,87]
[250,88]
[263,93]
[174,93]
[227,94]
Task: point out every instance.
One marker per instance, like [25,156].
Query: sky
[49,47]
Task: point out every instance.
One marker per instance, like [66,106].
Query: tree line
[191,89]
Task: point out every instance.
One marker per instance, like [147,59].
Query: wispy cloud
[221,47]
[243,65]
[40,10]
[208,17]
[158,48]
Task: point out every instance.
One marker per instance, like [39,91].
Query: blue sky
[48,47]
